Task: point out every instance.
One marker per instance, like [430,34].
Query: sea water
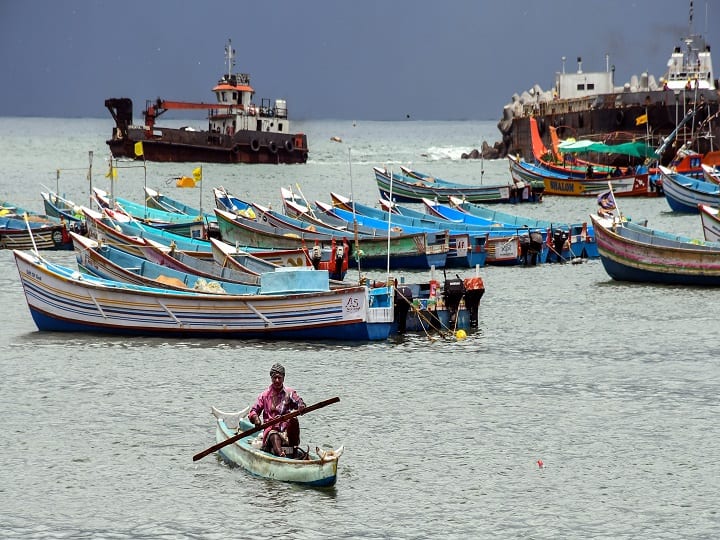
[581,407]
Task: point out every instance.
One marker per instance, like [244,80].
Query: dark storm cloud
[374,59]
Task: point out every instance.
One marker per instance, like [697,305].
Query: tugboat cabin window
[280,126]
[591,86]
[581,87]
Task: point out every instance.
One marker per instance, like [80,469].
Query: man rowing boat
[277,400]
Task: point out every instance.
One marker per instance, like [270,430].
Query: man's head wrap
[277,368]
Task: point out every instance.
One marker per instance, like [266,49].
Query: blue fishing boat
[403,188]
[684,193]
[61,208]
[502,246]
[292,303]
[108,262]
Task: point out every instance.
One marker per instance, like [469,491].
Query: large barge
[589,105]
[239,131]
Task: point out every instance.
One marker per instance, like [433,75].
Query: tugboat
[589,105]
[238,130]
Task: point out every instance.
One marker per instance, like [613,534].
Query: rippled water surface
[613,387]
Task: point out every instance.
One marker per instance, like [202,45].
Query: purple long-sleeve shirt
[271,404]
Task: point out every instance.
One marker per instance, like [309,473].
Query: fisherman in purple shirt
[277,400]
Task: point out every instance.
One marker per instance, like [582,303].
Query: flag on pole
[606,200]
[642,119]
[112,173]
[138,149]
[197,174]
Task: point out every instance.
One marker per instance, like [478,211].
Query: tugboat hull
[179,145]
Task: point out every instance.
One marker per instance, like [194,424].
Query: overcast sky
[331,59]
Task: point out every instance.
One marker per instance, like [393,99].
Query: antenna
[691,17]
[230,56]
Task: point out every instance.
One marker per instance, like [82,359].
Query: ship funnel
[579,64]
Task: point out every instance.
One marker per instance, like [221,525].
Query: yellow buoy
[460,334]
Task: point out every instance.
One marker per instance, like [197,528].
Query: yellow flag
[138,148]
[642,119]
[197,174]
[112,173]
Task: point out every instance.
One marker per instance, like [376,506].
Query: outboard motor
[559,238]
[339,263]
[524,241]
[403,301]
[474,290]
[452,294]
[536,244]
[316,256]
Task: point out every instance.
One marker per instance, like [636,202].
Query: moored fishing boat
[467,248]
[519,192]
[685,193]
[239,131]
[316,468]
[292,304]
[556,183]
[16,233]
[630,252]
[108,262]
[61,208]
[580,239]
[184,262]
[710,219]
[406,189]
[400,251]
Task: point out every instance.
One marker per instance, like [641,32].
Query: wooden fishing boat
[239,131]
[463,250]
[317,469]
[556,183]
[293,303]
[131,236]
[519,192]
[630,252]
[710,219]
[498,245]
[407,189]
[467,248]
[160,201]
[59,207]
[198,226]
[711,173]
[685,193]
[578,239]
[184,262]
[46,235]
[128,235]
[109,262]
[405,251]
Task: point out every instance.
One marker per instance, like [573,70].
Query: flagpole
[201,183]
[90,158]
[145,198]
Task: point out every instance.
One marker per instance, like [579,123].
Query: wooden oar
[261,427]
